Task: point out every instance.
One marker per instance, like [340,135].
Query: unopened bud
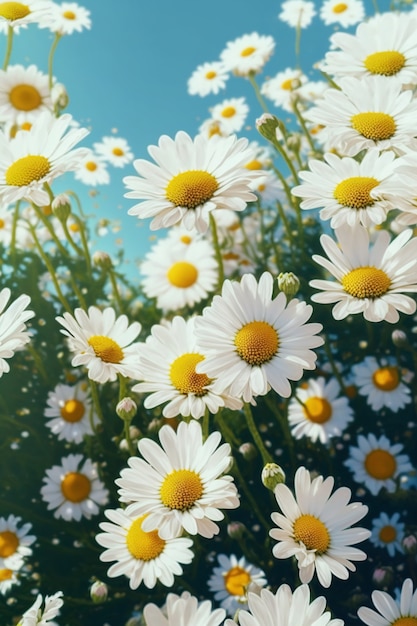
[248,451]
[383,576]
[409,544]
[272,475]
[294,142]
[126,409]
[399,338]
[267,125]
[102,259]
[59,96]
[236,530]
[288,283]
[99,592]
[61,207]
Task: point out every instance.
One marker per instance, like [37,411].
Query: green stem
[14,232]
[258,94]
[116,292]
[9,47]
[84,242]
[51,60]
[217,251]
[266,457]
[77,249]
[38,362]
[303,125]
[49,227]
[335,371]
[96,400]
[298,43]
[286,158]
[285,429]
[206,423]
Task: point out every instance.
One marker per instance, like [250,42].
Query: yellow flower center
[182,274]
[385,63]
[27,170]
[246,52]
[9,542]
[210,75]
[230,256]
[74,227]
[91,166]
[387,534]
[254,165]
[408,620]
[317,410]
[26,126]
[312,532]
[75,487]
[287,84]
[13,10]
[6,574]
[2,223]
[256,342]
[236,581]
[386,378]
[366,282]
[72,411]
[374,125]
[228,112]
[181,489]
[186,239]
[380,464]
[191,189]
[354,192]
[142,545]
[118,152]
[184,377]
[106,349]
[69,15]
[340,7]
[25,97]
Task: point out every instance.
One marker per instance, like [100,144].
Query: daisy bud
[99,592]
[126,409]
[272,475]
[267,125]
[102,259]
[248,451]
[236,530]
[294,142]
[382,576]
[61,207]
[409,544]
[399,338]
[288,283]
[59,96]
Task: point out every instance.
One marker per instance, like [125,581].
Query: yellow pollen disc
[317,410]
[13,10]
[385,63]
[228,112]
[106,349]
[5,574]
[9,542]
[26,170]
[287,84]
[25,97]
[75,487]
[69,15]
[380,464]
[186,239]
[184,377]
[182,274]
[117,152]
[405,621]
[230,256]
[210,75]
[236,580]
[26,126]
[191,189]
[214,130]
[72,411]
[256,342]
[340,8]
[312,532]
[366,282]
[181,489]
[91,166]
[354,192]
[351,391]
[254,165]
[142,545]
[247,51]
[374,125]
[386,378]
[387,534]
[2,223]
[74,227]
[261,188]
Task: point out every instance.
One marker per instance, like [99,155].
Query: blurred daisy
[388,532]
[73,490]
[211,127]
[191,179]
[282,87]
[37,157]
[70,412]
[24,93]
[185,610]
[402,611]
[92,170]
[369,279]
[180,483]
[297,13]
[207,78]
[102,342]
[36,616]
[254,342]
[231,114]
[168,360]
[315,527]
[68,18]
[114,150]
[230,581]
[400,189]
[346,12]
[14,542]
[10,229]
[8,578]
[140,555]
[13,333]
[247,54]
[381,384]
[17,14]
[376,463]
[318,412]
[269,189]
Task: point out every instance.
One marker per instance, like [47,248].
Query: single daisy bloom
[285,608]
[370,279]
[24,93]
[381,384]
[283,87]
[102,342]
[191,178]
[8,578]
[17,14]
[269,189]
[168,361]
[297,13]
[37,616]
[114,150]
[231,114]
[346,12]
[318,412]
[185,610]
[38,156]
[73,490]
[402,612]
[316,528]
[13,333]
[207,78]
[377,463]
[372,112]
[180,484]
[92,170]
[254,342]
[247,54]
[141,555]
[70,413]
[14,542]
[231,579]
[388,532]
[69,17]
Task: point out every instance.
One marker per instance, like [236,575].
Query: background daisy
[92,170]
[69,17]
[35,615]
[297,13]
[231,114]
[185,610]
[24,93]
[381,384]
[346,13]
[248,53]
[388,533]
[114,150]
[15,542]
[70,414]
[207,78]
[13,333]
[389,610]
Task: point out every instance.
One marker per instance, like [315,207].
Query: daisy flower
[315,527]
[207,78]
[377,463]
[388,532]
[114,150]
[102,343]
[401,612]
[24,93]
[36,616]
[247,54]
[381,384]
[69,17]
[185,610]
[282,87]
[141,555]
[38,156]
[400,189]
[285,608]
[231,114]
[168,360]
[369,279]
[73,490]
[70,412]
[318,412]
[13,333]
[297,13]
[180,484]
[14,542]
[191,179]
[230,581]
[92,170]
[346,13]
[254,342]
[8,578]
[269,189]
[17,14]
[10,228]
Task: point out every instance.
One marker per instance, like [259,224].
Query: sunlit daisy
[377,463]
[13,333]
[343,12]
[269,189]
[253,341]
[37,616]
[230,581]
[114,150]
[247,53]
[69,17]
[180,483]
[92,170]
[24,93]
[73,490]
[191,179]
[282,87]
[231,114]
[207,78]
[102,342]
[70,413]
[402,612]
[17,14]
[297,13]
[381,384]
[14,542]
[315,527]
[185,610]
[8,578]
[370,279]
[388,532]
